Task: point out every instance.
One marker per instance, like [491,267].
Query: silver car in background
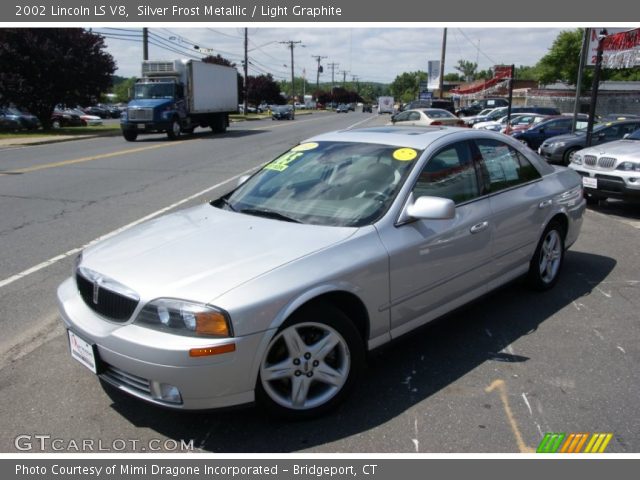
[276,291]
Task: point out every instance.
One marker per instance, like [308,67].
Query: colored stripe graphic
[550,443]
[573,443]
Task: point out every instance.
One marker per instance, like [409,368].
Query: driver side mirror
[626,135]
[393,118]
[430,208]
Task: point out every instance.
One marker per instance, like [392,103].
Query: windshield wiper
[261,212]
[224,202]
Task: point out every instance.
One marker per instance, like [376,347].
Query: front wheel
[310,364]
[129,136]
[545,265]
[174,132]
[568,155]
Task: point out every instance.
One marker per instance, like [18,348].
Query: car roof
[415,137]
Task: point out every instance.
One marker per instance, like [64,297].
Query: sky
[373,54]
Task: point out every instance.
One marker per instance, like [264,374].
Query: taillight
[436,123]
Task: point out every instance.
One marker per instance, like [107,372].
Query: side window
[503,166]
[413,116]
[629,128]
[401,117]
[449,174]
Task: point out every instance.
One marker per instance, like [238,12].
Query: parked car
[561,149]
[12,118]
[523,122]
[551,127]
[367,108]
[612,117]
[62,118]
[342,108]
[501,123]
[481,104]
[87,120]
[282,112]
[425,117]
[98,111]
[610,170]
[275,291]
[444,104]
[502,111]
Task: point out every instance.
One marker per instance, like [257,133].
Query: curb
[53,139]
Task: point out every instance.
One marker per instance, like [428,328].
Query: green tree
[562,61]
[467,69]
[123,89]
[41,67]
[453,77]
[406,85]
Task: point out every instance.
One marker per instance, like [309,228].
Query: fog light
[165,392]
[632,180]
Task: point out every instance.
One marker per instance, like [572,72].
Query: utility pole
[442,55]
[318,71]
[145,44]
[583,57]
[246,71]
[333,67]
[344,77]
[291,44]
[594,86]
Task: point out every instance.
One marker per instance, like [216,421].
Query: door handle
[478,227]
[545,203]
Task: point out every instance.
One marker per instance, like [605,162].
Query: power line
[478,47]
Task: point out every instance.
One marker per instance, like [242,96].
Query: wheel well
[347,303]
[564,223]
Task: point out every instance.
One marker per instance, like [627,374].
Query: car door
[552,128]
[519,206]
[437,265]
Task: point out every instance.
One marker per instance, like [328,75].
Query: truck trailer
[176,96]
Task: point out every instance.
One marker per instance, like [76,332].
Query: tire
[174,132]
[319,353]
[129,136]
[547,260]
[568,154]
[56,124]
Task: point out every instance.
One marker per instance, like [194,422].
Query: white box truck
[176,96]
[385,105]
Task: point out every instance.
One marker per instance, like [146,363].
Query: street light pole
[594,86]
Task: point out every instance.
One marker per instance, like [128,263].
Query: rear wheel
[310,364]
[545,265]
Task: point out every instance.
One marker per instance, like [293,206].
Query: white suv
[610,169]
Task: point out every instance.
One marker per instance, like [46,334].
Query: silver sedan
[276,291]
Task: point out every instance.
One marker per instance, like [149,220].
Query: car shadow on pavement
[397,378]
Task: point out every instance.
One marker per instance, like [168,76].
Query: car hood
[149,102]
[202,252]
[618,148]
[566,137]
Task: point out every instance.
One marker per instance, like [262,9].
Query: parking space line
[502,391]
[74,251]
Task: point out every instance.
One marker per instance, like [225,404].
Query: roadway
[492,378]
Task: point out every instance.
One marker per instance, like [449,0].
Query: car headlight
[577,159]
[184,318]
[629,167]
[557,144]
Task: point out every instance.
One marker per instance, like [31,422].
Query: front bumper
[138,360]
[145,127]
[552,154]
[610,183]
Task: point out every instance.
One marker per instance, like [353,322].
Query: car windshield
[325,183]
[435,113]
[154,90]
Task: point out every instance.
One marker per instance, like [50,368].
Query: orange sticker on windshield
[303,147]
[405,154]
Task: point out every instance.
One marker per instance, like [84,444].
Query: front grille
[590,160]
[127,380]
[606,162]
[149,68]
[140,114]
[110,304]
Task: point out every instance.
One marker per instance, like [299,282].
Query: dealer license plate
[82,351]
[589,182]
